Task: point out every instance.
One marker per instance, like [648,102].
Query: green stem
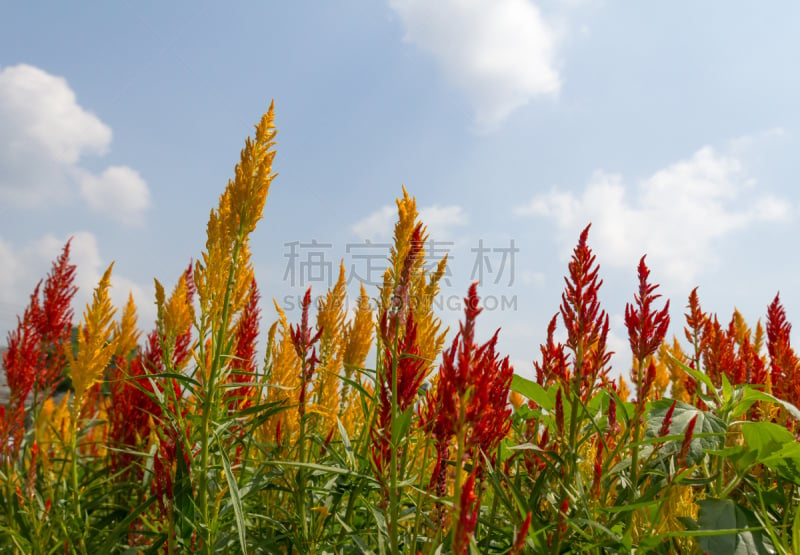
[637,420]
[393,493]
[417,517]
[210,396]
[301,475]
[460,450]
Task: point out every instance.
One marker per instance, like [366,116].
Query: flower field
[184,440]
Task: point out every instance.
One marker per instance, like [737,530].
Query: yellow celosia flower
[423,286]
[676,373]
[283,385]
[680,502]
[175,317]
[224,274]
[126,333]
[758,338]
[331,320]
[741,330]
[53,427]
[623,390]
[95,346]
[360,332]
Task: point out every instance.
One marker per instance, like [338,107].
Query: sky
[672,128]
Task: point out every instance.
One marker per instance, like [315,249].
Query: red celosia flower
[522,535]
[783,360]
[559,413]
[35,359]
[687,441]
[563,510]
[696,320]
[303,339]
[410,373]
[646,330]
[469,505]
[245,365]
[667,422]
[598,470]
[587,325]
[472,379]
[612,410]
[553,367]
[646,326]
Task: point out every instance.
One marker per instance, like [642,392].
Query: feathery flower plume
[303,340]
[687,441]
[95,344]
[587,325]
[522,535]
[553,368]
[784,364]
[55,321]
[224,273]
[667,422]
[469,505]
[331,316]
[245,353]
[646,326]
[470,397]
[408,281]
[285,380]
[34,361]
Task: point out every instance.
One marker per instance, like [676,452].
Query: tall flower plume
[35,357]
[470,396]
[587,325]
[646,325]
[95,344]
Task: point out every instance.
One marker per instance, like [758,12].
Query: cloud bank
[501,53]
[44,135]
[676,215]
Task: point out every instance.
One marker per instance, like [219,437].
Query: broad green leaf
[533,391]
[725,516]
[709,426]
[751,394]
[776,448]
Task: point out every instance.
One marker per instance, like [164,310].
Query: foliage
[180,440]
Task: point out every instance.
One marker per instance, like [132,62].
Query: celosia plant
[180,440]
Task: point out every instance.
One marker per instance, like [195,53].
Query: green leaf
[236,500]
[751,394]
[533,391]
[698,376]
[776,448]
[708,426]
[739,530]
[401,424]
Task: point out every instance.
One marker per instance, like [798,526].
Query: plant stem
[393,493]
[210,396]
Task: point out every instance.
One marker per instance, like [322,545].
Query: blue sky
[672,128]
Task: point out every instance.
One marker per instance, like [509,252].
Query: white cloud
[439,220]
[675,216]
[501,52]
[119,191]
[44,135]
[25,265]
[376,226]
